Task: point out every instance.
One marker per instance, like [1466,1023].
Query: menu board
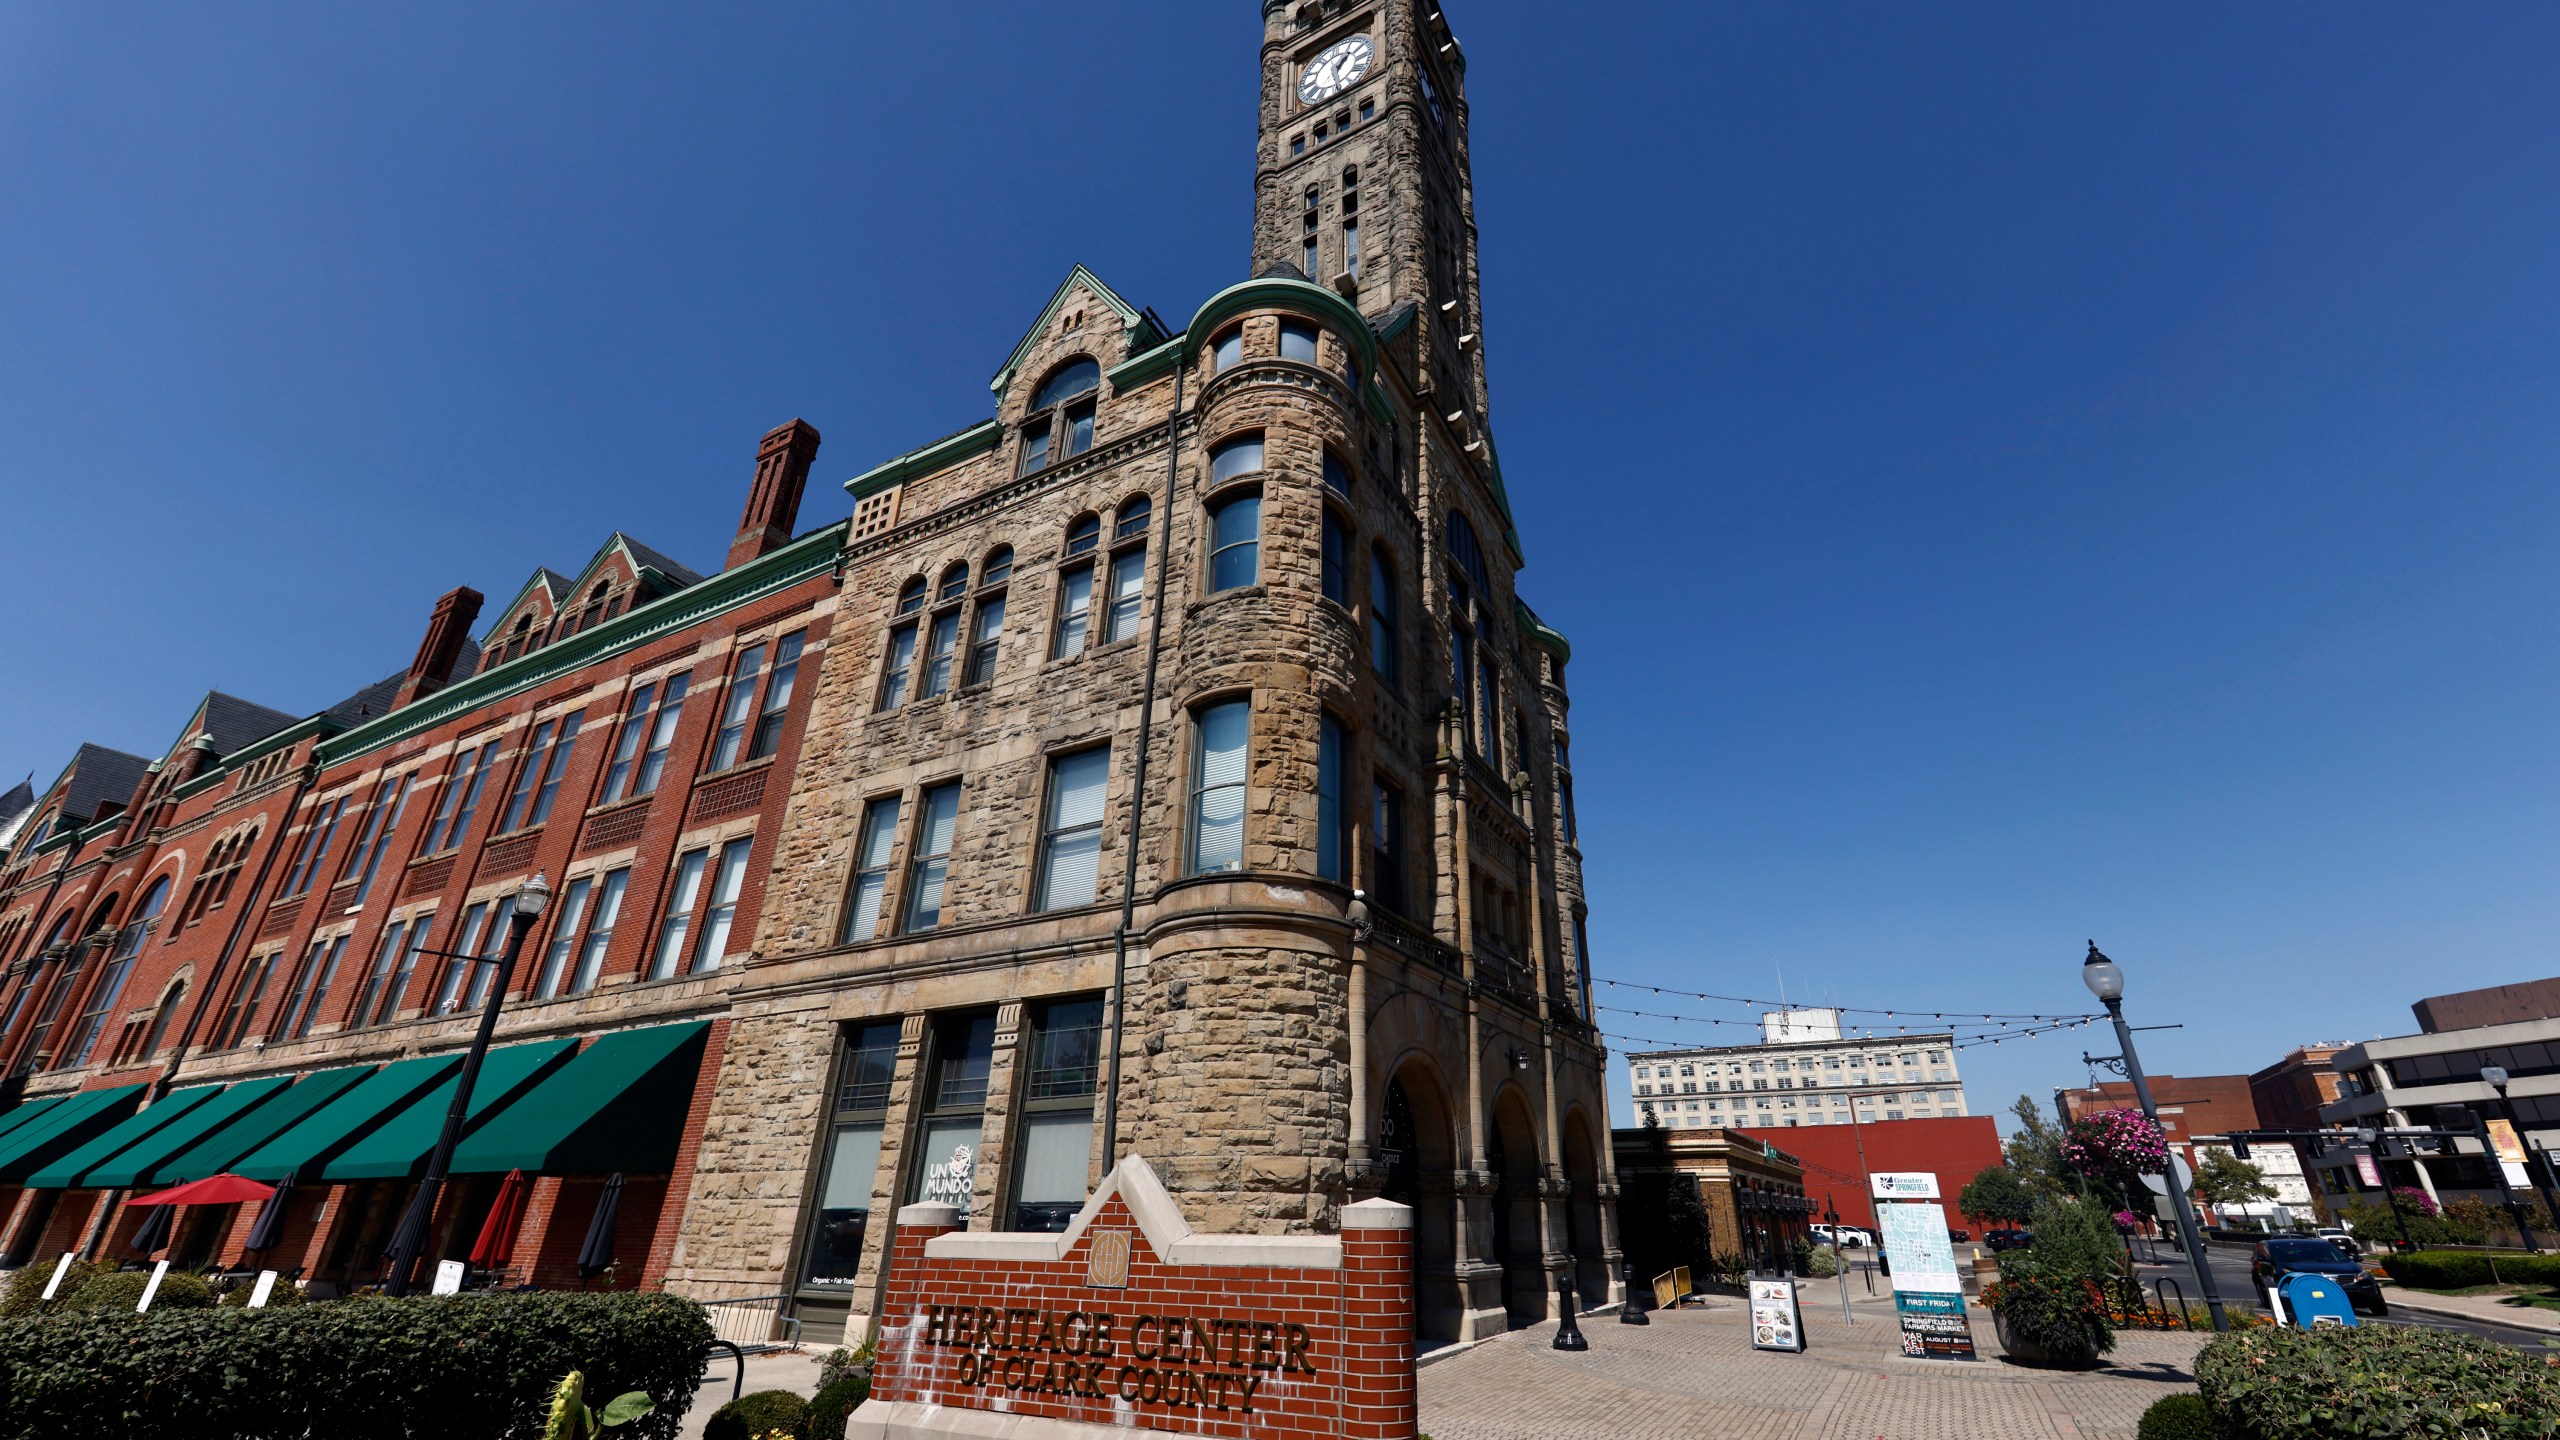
[1928,1294]
[1775,1325]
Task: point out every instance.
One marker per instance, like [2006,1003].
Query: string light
[1968,1016]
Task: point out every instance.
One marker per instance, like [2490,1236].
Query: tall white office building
[1807,1069]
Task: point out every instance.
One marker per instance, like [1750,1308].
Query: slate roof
[374,701]
[658,561]
[234,722]
[15,807]
[100,776]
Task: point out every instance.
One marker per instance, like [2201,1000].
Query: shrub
[2460,1269]
[26,1288]
[2379,1380]
[456,1367]
[2076,1237]
[121,1290]
[2064,1313]
[752,1417]
[842,1364]
[2178,1417]
[1824,1262]
[833,1404]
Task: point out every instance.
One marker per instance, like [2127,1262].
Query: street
[2231,1278]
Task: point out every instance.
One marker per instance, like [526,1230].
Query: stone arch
[1512,1157]
[1583,1235]
[1416,1150]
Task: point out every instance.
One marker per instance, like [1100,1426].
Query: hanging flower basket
[2115,1145]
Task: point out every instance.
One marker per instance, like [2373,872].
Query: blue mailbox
[2312,1300]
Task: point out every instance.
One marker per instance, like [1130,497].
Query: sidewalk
[1692,1375]
[2473,1307]
[792,1370]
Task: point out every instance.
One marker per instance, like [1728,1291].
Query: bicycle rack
[2161,1288]
[739,1386]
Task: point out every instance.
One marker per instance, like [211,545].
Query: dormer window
[1060,423]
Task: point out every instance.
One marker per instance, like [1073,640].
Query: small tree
[2035,1151]
[1998,1193]
[2223,1178]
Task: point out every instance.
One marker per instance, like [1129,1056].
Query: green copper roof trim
[1143,367]
[811,554]
[1141,331]
[978,439]
[284,739]
[1539,633]
[1284,293]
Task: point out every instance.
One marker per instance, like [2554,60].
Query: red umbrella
[225,1189]
[497,1242]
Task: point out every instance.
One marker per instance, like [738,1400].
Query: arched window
[1128,568]
[1075,588]
[1471,673]
[110,986]
[900,665]
[1060,423]
[955,582]
[986,621]
[911,598]
[169,1004]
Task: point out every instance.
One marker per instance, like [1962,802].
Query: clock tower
[1363,183]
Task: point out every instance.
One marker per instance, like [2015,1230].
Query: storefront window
[944,1171]
[853,1158]
[1055,1148]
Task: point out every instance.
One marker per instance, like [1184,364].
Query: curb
[2542,1321]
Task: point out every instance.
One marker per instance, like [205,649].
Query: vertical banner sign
[2510,1147]
[2367,1171]
[151,1287]
[60,1267]
[1928,1294]
[266,1287]
[1775,1325]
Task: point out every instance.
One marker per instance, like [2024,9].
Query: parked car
[2340,1238]
[2272,1260]
[2002,1241]
[1843,1237]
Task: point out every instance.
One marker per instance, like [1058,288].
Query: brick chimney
[773,503]
[447,630]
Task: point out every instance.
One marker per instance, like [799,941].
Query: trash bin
[2314,1300]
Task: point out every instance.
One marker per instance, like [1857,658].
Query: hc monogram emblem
[1108,1269]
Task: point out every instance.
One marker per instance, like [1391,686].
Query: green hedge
[753,1417]
[2178,1417]
[2461,1269]
[2378,1380]
[477,1367]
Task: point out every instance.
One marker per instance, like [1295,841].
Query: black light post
[2106,981]
[526,909]
[2496,1075]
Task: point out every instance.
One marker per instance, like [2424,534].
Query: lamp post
[2496,1075]
[2106,981]
[526,909]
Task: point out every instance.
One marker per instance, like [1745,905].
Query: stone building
[1188,779]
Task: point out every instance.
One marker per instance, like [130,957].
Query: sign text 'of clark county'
[1172,1359]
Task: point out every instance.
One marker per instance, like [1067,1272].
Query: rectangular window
[902,659]
[1297,341]
[777,695]
[564,937]
[1235,541]
[986,629]
[458,965]
[1055,1145]
[1229,349]
[1307,261]
[945,1167]
[1071,830]
[599,939]
[1239,456]
[853,1158]
[537,757]
[1382,620]
[1386,847]
[738,707]
[931,865]
[1337,476]
[385,955]
[726,881]
[871,870]
[1035,447]
[1351,246]
[1079,428]
[938,658]
[315,845]
[1075,609]
[246,996]
[1128,584]
[390,806]
[662,735]
[1218,787]
[1333,836]
[560,751]
[626,748]
[461,798]
[317,996]
[389,1006]
[1336,543]
[677,928]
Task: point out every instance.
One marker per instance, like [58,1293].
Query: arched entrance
[1582,1212]
[1417,1149]
[1511,1154]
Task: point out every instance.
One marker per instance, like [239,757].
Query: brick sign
[1128,1319]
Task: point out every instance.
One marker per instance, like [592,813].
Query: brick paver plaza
[1693,1373]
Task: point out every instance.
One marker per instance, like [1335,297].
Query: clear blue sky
[2011,473]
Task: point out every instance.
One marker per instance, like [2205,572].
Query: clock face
[1338,69]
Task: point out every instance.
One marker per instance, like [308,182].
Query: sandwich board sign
[1775,1322]
[1928,1294]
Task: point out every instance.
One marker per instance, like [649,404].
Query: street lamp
[2496,1075]
[2105,980]
[528,906]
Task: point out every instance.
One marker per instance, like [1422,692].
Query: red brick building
[225,957]
[2189,1105]
[1838,1158]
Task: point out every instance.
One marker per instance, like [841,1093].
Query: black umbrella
[153,1236]
[597,1253]
[264,1235]
[411,1237]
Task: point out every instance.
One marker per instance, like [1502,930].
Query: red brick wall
[1265,1351]
[1956,1148]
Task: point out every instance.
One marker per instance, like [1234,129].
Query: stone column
[994,1179]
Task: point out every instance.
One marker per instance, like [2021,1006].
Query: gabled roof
[98,776]
[553,586]
[234,722]
[1143,332]
[644,558]
[15,807]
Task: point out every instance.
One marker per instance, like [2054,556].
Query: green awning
[65,1170]
[10,1122]
[65,1127]
[620,1105]
[301,1151]
[399,1149]
[223,1148]
[141,1162]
